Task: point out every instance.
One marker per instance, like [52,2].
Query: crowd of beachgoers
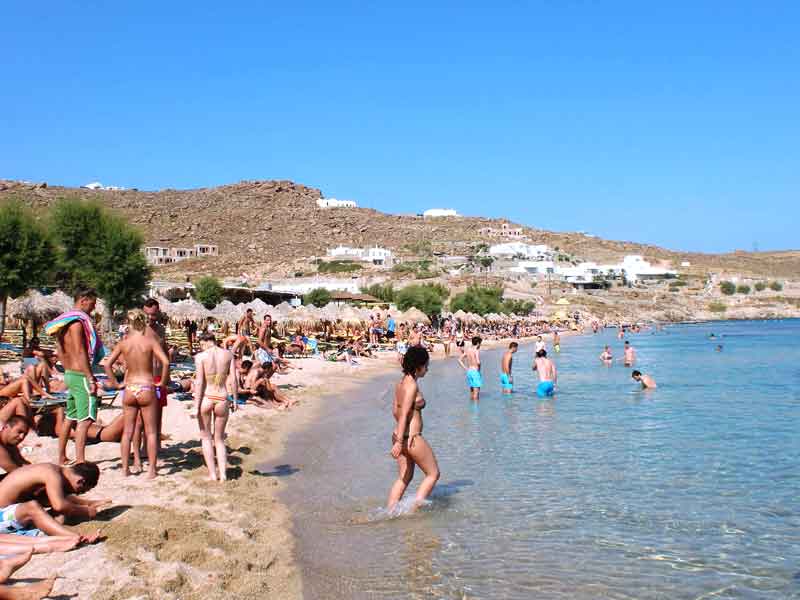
[220,367]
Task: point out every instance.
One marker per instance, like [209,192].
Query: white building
[440,212]
[96,185]
[161,255]
[302,286]
[505,231]
[334,203]
[376,256]
[636,268]
[526,251]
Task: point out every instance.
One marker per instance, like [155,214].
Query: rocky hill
[268,228]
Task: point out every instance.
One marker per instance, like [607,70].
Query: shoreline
[183,537]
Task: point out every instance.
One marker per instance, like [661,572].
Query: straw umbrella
[414,315]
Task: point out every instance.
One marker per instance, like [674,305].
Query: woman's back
[215,364]
[137,352]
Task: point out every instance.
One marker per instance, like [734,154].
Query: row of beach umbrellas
[40,308]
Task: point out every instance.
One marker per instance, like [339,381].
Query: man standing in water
[648,383]
[74,333]
[556,341]
[548,374]
[539,344]
[506,378]
[472,357]
[630,354]
[156,332]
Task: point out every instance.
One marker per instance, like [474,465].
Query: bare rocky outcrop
[274,227]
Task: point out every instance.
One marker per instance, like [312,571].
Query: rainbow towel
[94,345]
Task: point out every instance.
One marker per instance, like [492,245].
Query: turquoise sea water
[687,491]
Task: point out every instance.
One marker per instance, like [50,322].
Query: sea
[690,490]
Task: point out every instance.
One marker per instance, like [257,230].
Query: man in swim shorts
[506,378]
[548,374]
[72,348]
[648,383]
[630,354]
[472,358]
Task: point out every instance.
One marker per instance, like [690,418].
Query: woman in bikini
[409,448]
[138,352]
[215,390]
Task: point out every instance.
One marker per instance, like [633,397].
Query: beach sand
[182,536]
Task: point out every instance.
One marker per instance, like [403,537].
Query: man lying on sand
[24,491]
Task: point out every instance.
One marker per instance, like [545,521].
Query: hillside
[271,228]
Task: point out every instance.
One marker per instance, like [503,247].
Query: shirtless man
[140,352]
[11,436]
[548,374]
[265,332]
[247,324]
[648,383]
[556,342]
[73,352]
[630,354]
[155,331]
[606,355]
[472,358]
[24,491]
[506,378]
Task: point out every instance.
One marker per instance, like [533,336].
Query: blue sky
[674,124]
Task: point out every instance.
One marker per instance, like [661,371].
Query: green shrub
[208,291]
[728,288]
[760,286]
[429,298]
[318,297]
[480,300]
[717,307]
[404,268]
[775,286]
[381,292]
[338,266]
[743,289]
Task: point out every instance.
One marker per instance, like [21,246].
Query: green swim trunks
[81,405]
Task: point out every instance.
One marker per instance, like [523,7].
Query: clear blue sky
[675,123]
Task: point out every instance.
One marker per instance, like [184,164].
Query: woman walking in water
[409,448]
[215,389]
[138,352]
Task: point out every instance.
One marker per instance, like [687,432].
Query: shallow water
[687,491]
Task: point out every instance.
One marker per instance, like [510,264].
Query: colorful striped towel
[94,345]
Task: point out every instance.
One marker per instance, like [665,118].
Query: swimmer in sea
[556,342]
[506,378]
[548,374]
[719,347]
[606,356]
[648,383]
[473,368]
[630,354]
[409,448]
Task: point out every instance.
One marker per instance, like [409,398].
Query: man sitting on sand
[648,383]
[24,490]
[11,436]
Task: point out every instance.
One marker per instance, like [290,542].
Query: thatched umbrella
[414,315]
[191,309]
[227,311]
[260,308]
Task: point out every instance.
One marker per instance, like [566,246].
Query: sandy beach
[182,536]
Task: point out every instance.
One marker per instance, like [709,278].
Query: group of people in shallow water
[411,450]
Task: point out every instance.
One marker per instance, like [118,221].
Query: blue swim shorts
[474,379]
[544,389]
[505,382]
